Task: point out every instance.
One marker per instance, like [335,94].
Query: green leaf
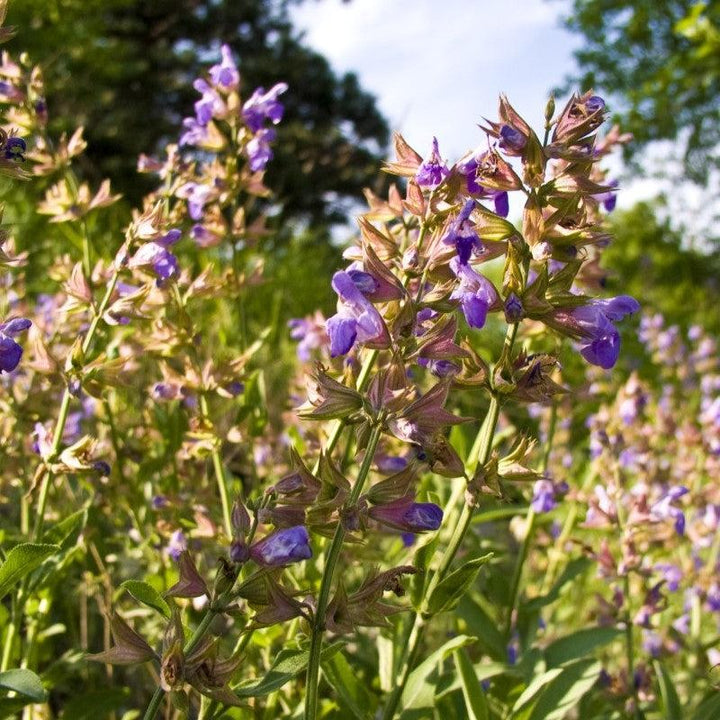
[21,561]
[572,570]
[565,691]
[419,692]
[287,665]
[535,687]
[95,704]
[353,694]
[709,709]
[25,682]
[475,702]
[668,693]
[147,595]
[579,644]
[449,591]
[479,623]
[67,531]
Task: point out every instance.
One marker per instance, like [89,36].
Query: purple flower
[594,103]
[197,196]
[511,139]
[225,73]
[475,293]
[264,106]
[469,168]
[672,575]
[712,597]
[439,368]
[408,516]
[462,235]
[543,496]
[282,547]
[664,509]
[601,344]
[11,351]
[356,318]
[652,643]
[432,171]
[513,308]
[364,282]
[210,105]
[258,149]
[609,197]
[311,334]
[195,133]
[176,545]
[156,255]
[14,149]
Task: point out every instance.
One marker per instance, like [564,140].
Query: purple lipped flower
[408,539]
[364,281]
[462,234]
[176,545]
[159,502]
[225,73]
[258,149]
[511,139]
[672,575]
[474,291]
[712,597]
[10,350]
[311,334]
[664,509]
[390,463]
[282,547]
[601,342]
[682,624]
[433,171]
[594,103]
[543,496]
[263,106]
[356,320]
[15,149]
[406,515]
[197,196]
[210,105]
[156,255]
[608,199]
[194,132]
[651,643]
[439,368]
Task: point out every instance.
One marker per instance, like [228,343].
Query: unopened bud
[549,109]
[240,518]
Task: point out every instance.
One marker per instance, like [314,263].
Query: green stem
[318,629]
[479,456]
[190,645]
[219,472]
[65,408]
[529,533]
[362,382]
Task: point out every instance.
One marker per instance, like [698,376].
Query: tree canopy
[660,61]
[124,70]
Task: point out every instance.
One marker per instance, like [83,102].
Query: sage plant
[276,536]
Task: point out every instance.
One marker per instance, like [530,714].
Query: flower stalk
[331,559]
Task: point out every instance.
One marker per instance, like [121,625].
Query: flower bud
[408,516]
[282,547]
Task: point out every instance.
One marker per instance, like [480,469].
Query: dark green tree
[647,260]
[124,70]
[658,61]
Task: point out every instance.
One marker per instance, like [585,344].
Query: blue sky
[438,66]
